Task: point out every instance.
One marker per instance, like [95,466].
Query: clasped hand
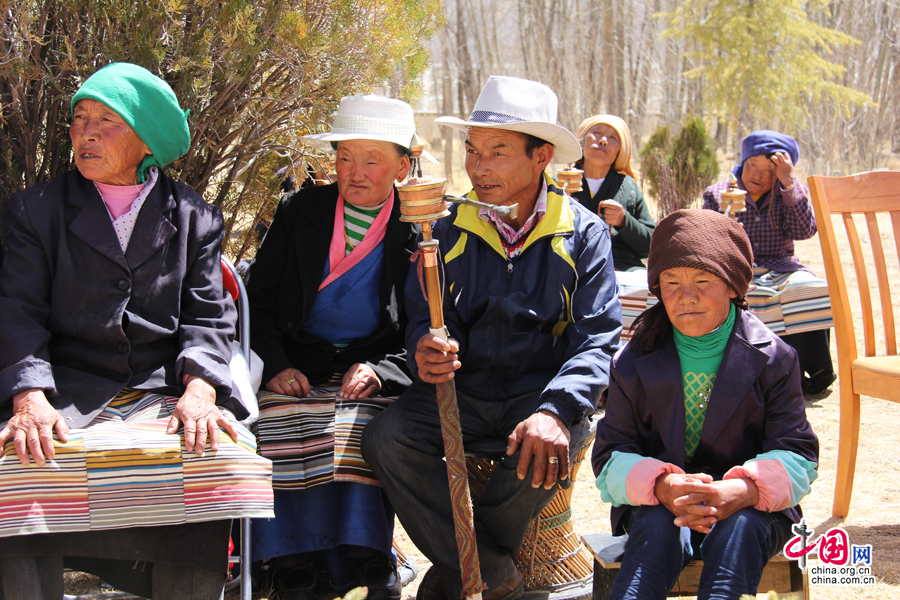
[698,502]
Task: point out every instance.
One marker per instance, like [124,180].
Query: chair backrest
[864,194]
[234,285]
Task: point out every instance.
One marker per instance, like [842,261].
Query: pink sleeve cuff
[772,480]
[641,480]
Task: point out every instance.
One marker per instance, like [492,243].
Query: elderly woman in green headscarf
[114,364]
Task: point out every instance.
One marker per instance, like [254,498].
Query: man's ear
[544,155]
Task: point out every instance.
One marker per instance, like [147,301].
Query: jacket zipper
[509,270]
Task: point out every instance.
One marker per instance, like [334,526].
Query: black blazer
[82,320]
[284,279]
[631,241]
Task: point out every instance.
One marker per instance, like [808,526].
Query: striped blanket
[316,440]
[787,303]
[123,470]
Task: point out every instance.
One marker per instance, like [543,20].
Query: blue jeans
[404,447]
[734,553]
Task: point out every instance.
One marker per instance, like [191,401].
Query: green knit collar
[711,344]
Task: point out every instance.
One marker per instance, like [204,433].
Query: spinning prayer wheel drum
[422,199]
[569,179]
[734,199]
[553,558]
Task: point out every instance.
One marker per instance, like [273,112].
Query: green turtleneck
[700,359]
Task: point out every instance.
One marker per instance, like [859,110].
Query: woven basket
[553,558]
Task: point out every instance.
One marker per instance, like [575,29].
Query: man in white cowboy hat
[534,320]
[326,300]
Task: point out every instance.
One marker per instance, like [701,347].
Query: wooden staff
[464,522]
[422,201]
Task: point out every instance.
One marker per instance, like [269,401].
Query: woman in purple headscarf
[779,212]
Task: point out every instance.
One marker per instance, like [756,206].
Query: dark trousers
[41,578]
[734,553]
[813,350]
[404,447]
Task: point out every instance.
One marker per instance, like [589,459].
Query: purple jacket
[756,407]
[772,226]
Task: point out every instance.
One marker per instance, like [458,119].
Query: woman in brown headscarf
[705,388]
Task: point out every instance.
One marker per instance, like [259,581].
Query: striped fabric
[357,221]
[787,303]
[790,302]
[316,440]
[123,470]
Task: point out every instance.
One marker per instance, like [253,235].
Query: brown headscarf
[623,160]
[702,239]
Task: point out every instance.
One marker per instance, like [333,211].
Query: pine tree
[762,61]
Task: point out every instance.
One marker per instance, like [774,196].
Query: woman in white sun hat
[328,319]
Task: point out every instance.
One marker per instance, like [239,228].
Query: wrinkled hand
[290,382]
[612,212]
[541,436]
[784,168]
[724,497]
[670,487]
[32,426]
[436,359]
[360,381]
[197,410]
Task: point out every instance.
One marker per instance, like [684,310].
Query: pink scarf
[339,263]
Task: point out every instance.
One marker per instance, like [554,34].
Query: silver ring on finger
[553,460]
[290,381]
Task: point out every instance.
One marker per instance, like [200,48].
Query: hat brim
[323,141]
[566,148]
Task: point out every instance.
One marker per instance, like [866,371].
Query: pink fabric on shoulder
[118,198]
[772,480]
[641,480]
[338,262]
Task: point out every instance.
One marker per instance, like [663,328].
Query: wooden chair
[876,374]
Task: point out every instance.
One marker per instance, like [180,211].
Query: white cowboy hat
[369,117]
[520,105]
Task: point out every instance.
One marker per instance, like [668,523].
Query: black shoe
[431,588]
[511,589]
[818,382]
[296,583]
[380,576]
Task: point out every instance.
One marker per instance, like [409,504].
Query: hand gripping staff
[422,200]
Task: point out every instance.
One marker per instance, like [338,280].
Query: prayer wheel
[569,179]
[734,199]
[422,199]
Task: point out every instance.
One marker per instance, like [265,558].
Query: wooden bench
[780,575]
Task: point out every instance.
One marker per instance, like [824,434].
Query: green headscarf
[147,104]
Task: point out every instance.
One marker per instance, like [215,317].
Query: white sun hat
[369,117]
[520,105]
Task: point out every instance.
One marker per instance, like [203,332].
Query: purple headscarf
[766,141]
